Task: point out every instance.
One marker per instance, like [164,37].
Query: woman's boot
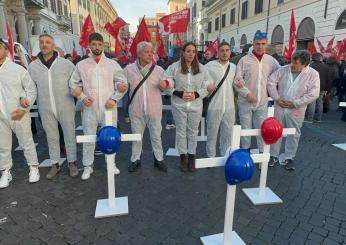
[192,163]
[183,163]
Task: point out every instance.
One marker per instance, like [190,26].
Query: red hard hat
[271,130]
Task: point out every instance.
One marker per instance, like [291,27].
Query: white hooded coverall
[221,111]
[15,83]
[99,81]
[301,91]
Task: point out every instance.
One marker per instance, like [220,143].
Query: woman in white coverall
[100,83]
[17,94]
[188,81]
[292,87]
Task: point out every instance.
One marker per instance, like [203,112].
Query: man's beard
[96,52]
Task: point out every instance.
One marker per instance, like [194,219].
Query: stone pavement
[178,208]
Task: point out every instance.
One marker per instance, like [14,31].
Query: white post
[111,182]
[203,126]
[229,213]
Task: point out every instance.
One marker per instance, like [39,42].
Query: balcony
[64,22]
[38,4]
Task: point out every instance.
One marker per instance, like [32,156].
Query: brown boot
[183,163]
[54,170]
[73,170]
[192,163]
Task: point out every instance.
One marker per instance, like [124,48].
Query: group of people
[100,83]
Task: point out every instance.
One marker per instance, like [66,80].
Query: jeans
[168,113]
[315,109]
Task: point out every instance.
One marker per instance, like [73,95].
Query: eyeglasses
[261,34]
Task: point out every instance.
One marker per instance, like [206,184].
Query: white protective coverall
[255,74]
[56,105]
[15,83]
[187,115]
[146,107]
[221,111]
[99,81]
[301,91]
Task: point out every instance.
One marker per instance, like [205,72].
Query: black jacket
[323,70]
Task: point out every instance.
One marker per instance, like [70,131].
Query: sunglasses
[261,34]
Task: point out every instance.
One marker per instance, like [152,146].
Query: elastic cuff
[196,95]
[178,93]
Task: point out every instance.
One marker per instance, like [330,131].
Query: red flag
[87,29]
[159,41]
[330,44]
[293,36]
[320,45]
[341,45]
[175,23]
[312,48]
[141,35]
[179,42]
[10,41]
[213,47]
[74,52]
[114,29]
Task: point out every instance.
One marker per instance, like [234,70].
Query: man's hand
[77,91]
[110,104]
[122,87]
[189,96]
[24,102]
[88,101]
[251,97]
[164,84]
[281,103]
[289,104]
[239,83]
[18,114]
[211,88]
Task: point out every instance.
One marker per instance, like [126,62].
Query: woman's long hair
[194,64]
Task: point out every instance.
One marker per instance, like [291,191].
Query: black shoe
[97,152]
[160,165]
[289,164]
[134,166]
[273,161]
[191,162]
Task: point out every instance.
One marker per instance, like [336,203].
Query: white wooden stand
[341,146]
[111,206]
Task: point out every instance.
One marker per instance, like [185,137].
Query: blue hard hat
[239,167]
[108,139]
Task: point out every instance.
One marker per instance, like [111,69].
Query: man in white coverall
[17,94]
[250,82]
[51,74]
[100,83]
[221,112]
[145,109]
[292,87]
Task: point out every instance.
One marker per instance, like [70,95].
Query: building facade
[151,23]
[34,17]
[237,21]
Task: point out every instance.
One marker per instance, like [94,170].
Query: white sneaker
[87,172]
[5,179]
[34,174]
[116,170]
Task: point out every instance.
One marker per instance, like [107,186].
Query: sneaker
[160,165]
[87,172]
[134,166]
[5,179]
[34,174]
[73,170]
[289,164]
[273,161]
[54,170]
[116,170]
[170,126]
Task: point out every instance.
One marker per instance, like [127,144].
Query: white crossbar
[342,104]
[124,137]
[257,132]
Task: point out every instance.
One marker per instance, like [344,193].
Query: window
[59,7]
[53,6]
[258,6]
[217,20]
[176,8]
[223,20]
[244,10]
[45,2]
[80,2]
[84,4]
[280,1]
[194,10]
[88,6]
[65,11]
[232,17]
[209,27]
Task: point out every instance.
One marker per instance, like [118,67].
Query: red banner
[10,41]
[175,23]
[293,36]
[213,47]
[87,29]
[141,35]
[159,42]
[114,29]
